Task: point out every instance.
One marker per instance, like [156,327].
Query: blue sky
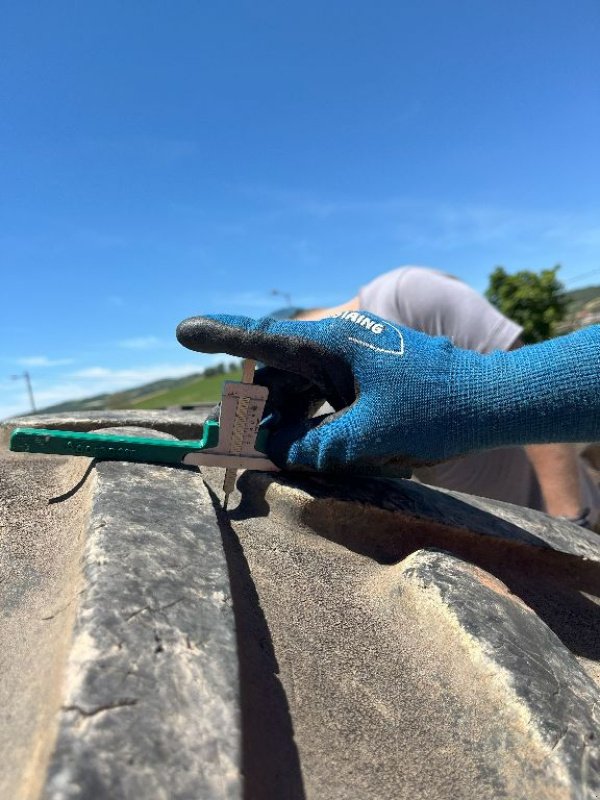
[166,159]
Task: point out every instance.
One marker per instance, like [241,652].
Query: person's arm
[402,397]
[555,466]
[557,471]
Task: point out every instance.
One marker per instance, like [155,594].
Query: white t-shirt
[441,305]
[431,301]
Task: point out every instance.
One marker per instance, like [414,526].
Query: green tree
[535,300]
[218,369]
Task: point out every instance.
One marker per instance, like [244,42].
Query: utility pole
[26,377]
[286,295]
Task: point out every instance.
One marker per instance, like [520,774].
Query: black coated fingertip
[201,334]
[185,331]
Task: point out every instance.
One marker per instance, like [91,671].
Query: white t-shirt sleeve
[440,305]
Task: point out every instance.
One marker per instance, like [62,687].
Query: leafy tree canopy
[221,369]
[535,300]
[218,369]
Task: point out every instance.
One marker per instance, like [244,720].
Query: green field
[197,390]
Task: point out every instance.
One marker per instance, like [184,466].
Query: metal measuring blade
[241,422]
[242,406]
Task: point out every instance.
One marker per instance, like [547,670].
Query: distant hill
[584,308]
[579,297]
[195,388]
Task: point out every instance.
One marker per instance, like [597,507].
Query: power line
[584,274]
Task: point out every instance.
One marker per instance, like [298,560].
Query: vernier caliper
[235,442]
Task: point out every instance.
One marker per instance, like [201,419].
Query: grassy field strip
[199,390]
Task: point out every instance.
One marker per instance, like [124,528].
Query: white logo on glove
[374,327]
[361,319]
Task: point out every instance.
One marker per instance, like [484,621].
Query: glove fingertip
[211,334]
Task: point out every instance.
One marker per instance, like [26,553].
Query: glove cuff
[543,393]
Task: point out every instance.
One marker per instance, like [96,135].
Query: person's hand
[388,384]
[402,397]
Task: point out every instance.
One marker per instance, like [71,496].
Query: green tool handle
[117,448]
[108,447]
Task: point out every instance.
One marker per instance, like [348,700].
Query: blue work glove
[403,398]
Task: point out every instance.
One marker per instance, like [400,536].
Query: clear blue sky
[166,159]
